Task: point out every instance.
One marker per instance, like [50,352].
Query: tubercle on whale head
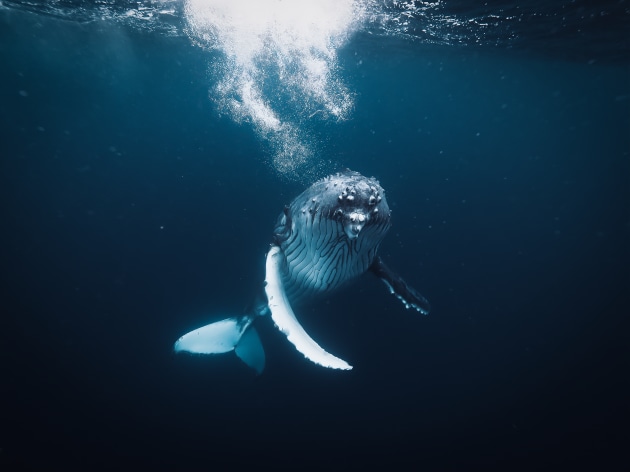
[360,193]
[358,203]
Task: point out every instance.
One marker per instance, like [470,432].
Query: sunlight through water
[279,68]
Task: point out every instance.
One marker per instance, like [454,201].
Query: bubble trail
[278,70]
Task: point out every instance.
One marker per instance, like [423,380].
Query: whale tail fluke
[231,334]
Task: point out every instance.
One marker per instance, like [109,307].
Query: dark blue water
[132,213]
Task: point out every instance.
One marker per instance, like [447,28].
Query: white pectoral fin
[285,320]
[232,334]
[409,296]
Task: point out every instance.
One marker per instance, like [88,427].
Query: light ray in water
[279,68]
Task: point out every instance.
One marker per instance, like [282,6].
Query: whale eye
[372,200]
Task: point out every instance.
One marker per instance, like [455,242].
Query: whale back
[330,233]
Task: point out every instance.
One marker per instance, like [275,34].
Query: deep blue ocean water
[137,205]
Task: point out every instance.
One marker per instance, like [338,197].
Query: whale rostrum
[325,237]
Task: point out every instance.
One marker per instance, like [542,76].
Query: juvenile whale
[325,237]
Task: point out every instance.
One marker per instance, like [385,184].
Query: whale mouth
[354,223]
[352,231]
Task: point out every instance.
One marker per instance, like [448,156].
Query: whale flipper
[410,297]
[285,320]
[231,334]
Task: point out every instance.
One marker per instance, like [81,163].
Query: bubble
[278,69]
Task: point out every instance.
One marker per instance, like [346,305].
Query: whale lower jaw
[285,320]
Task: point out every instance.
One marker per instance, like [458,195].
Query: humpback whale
[325,237]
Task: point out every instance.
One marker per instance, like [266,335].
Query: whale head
[358,202]
[330,233]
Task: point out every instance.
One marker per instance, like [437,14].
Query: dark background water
[132,214]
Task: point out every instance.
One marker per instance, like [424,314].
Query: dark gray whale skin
[330,234]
